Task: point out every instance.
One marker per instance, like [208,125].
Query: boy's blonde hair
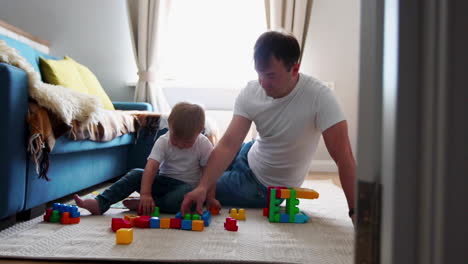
[186,120]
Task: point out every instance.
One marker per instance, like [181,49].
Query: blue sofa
[74,165]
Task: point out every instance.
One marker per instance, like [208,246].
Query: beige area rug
[327,238]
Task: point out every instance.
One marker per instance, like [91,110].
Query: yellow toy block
[198,225]
[237,215]
[131,218]
[305,193]
[165,223]
[285,193]
[124,236]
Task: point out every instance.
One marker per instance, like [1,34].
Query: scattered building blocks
[231,224]
[165,222]
[124,236]
[155,222]
[290,213]
[198,225]
[214,210]
[206,217]
[118,223]
[62,213]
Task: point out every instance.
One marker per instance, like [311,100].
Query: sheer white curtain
[148,19]
[290,15]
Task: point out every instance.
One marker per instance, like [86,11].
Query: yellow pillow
[62,72]
[92,83]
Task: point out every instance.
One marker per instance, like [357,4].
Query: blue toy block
[301,218]
[56,206]
[75,214]
[186,225]
[206,217]
[73,208]
[179,215]
[284,218]
[155,222]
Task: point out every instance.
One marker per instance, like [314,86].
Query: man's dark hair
[284,47]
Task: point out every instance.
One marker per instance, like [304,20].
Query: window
[209,43]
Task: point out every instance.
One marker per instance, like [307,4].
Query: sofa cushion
[65,145]
[92,83]
[62,72]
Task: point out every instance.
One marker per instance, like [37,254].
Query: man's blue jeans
[238,186]
[168,193]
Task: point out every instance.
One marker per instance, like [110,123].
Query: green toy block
[291,206]
[55,217]
[196,217]
[274,210]
[187,217]
[155,213]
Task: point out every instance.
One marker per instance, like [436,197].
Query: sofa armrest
[133,106]
[13,154]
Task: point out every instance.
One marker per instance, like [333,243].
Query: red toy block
[47,215]
[278,191]
[214,210]
[118,223]
[74,220]
[265,212]
[231,224]
[175,223]
[142,221]
[65,218]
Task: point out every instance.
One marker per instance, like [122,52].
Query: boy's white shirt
[289,128]
[181,164]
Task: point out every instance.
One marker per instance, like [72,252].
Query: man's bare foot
[89,204]
[132,204]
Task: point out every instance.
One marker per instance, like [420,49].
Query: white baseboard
[323,166]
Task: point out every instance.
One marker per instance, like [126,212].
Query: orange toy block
[214,211]
[198,225]
[285,193]
[305,193]
[165,223]
[131,219]
[124,236]
[74,220]
[65,219]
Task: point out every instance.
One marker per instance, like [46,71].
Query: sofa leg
[7,222]
[31,213]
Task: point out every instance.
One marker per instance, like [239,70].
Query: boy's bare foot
[131,204]
[89,204]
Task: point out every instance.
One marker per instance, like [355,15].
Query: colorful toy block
[124,236]
[155,222]
[179,215]
[165,223]
[214,210]
[175,223]
[62,213]
[155,213]
[198,225]
[237,215]
[196,217]
[118,223]
[131,218]
[231,224]
[206,217]
[142,221]
[291,212]
[186,224]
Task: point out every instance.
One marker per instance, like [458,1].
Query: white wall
[331,54]
[95,33]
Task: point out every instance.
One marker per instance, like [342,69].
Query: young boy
[179,155]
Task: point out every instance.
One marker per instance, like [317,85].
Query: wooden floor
[312,176]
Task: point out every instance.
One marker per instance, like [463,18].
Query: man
[291,111]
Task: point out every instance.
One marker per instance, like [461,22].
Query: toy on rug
[237,215]
[124,236]
[63,213]
[155,212]
[191,222]
[231,224]
[214,210]
[291,213]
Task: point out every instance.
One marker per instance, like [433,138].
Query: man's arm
[219,159]
[337,142]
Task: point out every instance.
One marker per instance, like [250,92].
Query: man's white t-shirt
[289,128]
[181,164]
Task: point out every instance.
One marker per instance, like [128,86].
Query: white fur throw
[66,103]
